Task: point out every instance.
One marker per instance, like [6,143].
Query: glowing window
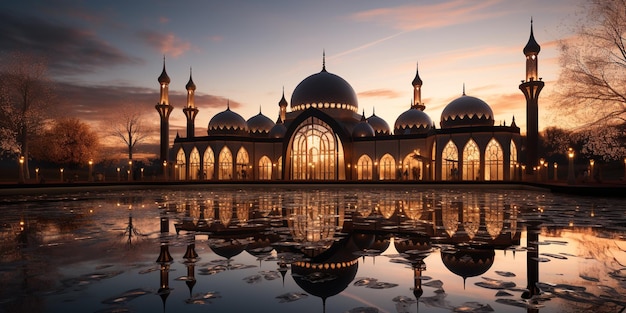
[471,161]
[208,164]
[450,162]
[494,161]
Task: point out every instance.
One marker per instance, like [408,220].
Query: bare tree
[25,98]
[131,128]
[592,85]
[68,142]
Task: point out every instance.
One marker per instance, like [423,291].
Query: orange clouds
[168,44]
[379,93]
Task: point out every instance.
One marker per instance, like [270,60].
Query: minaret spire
[324,60]
[164,108]
[190,110]
[282,104]
[417,91]
[464,89]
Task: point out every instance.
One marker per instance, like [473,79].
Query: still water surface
[312,249]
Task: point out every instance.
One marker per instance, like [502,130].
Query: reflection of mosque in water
[324,237]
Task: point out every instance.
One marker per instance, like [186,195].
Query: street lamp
[592,162]
[130,170]
[37,174]
[570,171]
[556,177]
[118,174]
[90,178]
[61,170]
[523,172]
[541,162]
[164,170]
[142,173]
[21,177]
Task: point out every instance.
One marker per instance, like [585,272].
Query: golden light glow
[570,153]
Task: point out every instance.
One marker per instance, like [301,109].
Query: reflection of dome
[468,262]
[260,124]
[227,249]
[324,279]
[363,128]
[324,91]
[379,125]
[227,123]
[412,121]
[466,111]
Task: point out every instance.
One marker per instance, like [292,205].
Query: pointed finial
[259,109]
[373,111]
[228,104]
[163,78]
[464,89]
[324,60]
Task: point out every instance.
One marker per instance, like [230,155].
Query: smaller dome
[260,124]
[227,123]
[279,130]
[163,78]
[190,84]
[466,111]
[532,47]
[412,121]
[379,125]
[363,128]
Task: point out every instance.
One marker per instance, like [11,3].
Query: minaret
[417,92]
[531,88]
[190,110]
[283,107]
[164,109]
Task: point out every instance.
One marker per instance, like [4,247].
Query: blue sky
[108,54]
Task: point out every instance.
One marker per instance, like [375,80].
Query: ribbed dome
[379,125]
[324,91]
[466,111]
[412,121]
[260,124]
[228,123]
[363,128]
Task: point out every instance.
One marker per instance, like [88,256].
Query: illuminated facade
[324,138]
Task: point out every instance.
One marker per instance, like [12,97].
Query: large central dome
[325,91]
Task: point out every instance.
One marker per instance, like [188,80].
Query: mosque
[322,137]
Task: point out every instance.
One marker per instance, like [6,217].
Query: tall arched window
[364,168]
[387,167]
[494,161]
[180,166]
[243,162]
[513,164]
[450,162]
[432,162]
[279,168]
[265,168]
[209,164]
[225,164]
[316,152]
[413,166]
[471,161]
[194,164]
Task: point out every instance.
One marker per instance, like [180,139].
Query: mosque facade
[320,136]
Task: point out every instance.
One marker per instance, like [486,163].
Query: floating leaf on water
[495,284]
[404,299]
[363,310]
[381,285]
[270,275]
[434,283]
[473,307]
[291,296]
[502,293]
[555,256]
[556,242]
[253,279]
[517,303]
[541,259]
[505,274]
[126,296]
[364,281]
[589,278]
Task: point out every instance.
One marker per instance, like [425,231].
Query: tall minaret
[417,92]
[190,110]
[531,87]
[164,109]
[283,107]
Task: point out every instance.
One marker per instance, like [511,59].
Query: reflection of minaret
[164,109]
[164,260]
[531,87]
[190,110]
[418,268]
[191,257]
[532,261]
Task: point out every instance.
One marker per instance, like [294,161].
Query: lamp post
[118,174]
[130,170]
[21,176]
[541,162]
[523,172]
[570,171]
[556,177]
[37,174]
[592,162]
[142,173]
[164,170]
[90,178]
[61,171]
[175,171]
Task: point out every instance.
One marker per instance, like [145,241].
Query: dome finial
[532,47]
[227,104]
[324,60]
[163,78]
[464,89]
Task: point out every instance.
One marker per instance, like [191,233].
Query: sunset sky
[108,54]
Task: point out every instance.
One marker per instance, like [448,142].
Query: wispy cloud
[379,93]
[441,14]
[167,43]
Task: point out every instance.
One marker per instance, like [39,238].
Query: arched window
[180,166]
[364,168]
[433,157]
[265,168]
[513,165]
[194,164]
[494,161]
[279,168]
[413,166]
[387,167]
[225,164]
[243,162]
[471,161]
[316,152]
[209,164]
[450,162]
